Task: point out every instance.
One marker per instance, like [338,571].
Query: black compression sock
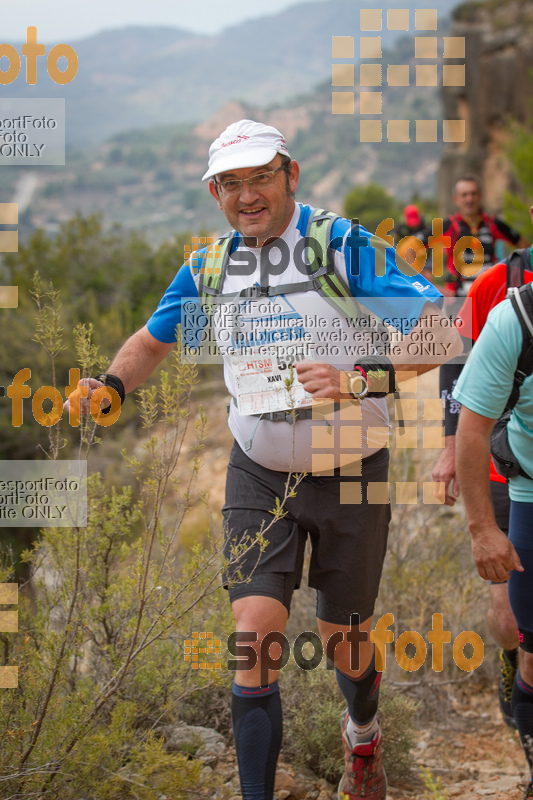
[257,730]
[361,694]
[511,656]
[522,711]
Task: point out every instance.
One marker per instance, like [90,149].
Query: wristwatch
[357,384]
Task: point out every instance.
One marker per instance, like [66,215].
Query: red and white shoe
[364,776]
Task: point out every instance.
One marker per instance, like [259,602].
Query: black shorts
[501,503]
[348,541]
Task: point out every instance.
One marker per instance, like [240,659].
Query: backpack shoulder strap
[319,227]
[523,299]
[516,265]
[522,302]
[214,263]
[527,257]
[326,282]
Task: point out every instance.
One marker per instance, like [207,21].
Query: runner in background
[471,220]
[413,223]
[484,389]
[489,289]
[408,236]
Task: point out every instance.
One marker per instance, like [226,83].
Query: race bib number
[266,383]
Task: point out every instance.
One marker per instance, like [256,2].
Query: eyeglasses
[261,181]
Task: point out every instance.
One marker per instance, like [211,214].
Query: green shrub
[99,652]
[434,790]
[371,204]
[313,707]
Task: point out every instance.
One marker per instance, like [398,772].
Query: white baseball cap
[244,144]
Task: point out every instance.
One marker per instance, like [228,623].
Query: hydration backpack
[320,267]
[521,298]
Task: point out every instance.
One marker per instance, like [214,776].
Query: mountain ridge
[150,179]
[138,77]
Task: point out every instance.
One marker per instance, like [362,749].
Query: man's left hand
[321,380]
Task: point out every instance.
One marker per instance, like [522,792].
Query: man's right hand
[80,399]
[444,471]
[135,361]
[494,554]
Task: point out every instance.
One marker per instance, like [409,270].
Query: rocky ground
[470,751]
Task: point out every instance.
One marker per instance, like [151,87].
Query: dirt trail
[472,752]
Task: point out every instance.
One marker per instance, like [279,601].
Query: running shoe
[505,689]
[364,776]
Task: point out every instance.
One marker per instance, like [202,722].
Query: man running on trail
[483,389]
[487,291]
[471,220]
[342,502]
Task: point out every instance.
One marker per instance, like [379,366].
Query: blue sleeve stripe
[303,219]
[162,324]
[186,282]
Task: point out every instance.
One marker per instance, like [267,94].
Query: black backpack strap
[522,302]
[527,258]
[516,264]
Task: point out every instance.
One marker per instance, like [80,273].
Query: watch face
[357,385]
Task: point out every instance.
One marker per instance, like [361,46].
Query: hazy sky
[67,20]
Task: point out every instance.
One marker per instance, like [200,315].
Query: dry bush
[100,650]
[313,706]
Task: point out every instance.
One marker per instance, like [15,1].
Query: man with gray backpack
[495,390]
[286,287]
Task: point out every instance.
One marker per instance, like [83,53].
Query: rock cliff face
[498,88]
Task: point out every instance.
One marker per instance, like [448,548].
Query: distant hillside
[150,180]
[139,77]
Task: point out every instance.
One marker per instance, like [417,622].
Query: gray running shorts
[348,540]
